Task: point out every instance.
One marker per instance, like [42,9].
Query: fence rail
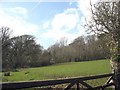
[70,81]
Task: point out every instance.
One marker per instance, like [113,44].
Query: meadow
[63,70]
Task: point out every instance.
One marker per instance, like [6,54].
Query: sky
[48,20]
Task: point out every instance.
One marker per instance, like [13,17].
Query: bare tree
[5,33]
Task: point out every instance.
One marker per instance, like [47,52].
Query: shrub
[7,74]
[116,58]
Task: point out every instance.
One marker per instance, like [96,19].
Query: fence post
[78,87]
[114,78]
[117,79]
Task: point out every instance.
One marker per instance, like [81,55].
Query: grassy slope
[64,70]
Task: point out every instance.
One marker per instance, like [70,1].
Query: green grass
[64,70]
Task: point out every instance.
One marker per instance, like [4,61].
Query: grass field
[64,70]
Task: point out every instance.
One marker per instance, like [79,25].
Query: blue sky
[47,21]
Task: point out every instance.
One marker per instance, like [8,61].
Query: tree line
[82,48]
[23,51]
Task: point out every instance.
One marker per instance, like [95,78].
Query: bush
[116,58]
[7,74]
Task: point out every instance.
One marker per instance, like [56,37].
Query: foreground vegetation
[64,70]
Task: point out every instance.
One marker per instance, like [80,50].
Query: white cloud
[62,24]
[64,21]
[46,25]
[85,8]
[9,17]
[18,10]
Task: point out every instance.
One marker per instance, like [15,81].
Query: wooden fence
[71,81]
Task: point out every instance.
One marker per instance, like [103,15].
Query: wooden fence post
[117,79]
[78,87]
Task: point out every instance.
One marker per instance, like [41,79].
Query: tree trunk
[117,70]
[117,79]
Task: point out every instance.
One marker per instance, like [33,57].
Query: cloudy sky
[48,21]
